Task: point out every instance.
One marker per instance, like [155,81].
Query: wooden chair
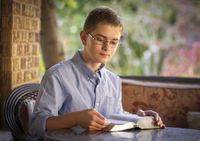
[17,109]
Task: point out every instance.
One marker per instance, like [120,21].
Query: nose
[106,46]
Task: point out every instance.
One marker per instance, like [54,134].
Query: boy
[81,91]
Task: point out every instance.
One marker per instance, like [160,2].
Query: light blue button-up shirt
[71,86]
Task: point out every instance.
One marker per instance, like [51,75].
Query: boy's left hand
[158,120]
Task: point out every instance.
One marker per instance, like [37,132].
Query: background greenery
[154,30]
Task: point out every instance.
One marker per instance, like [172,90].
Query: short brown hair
[101,14]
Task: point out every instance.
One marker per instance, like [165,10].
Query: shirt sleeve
[48,103]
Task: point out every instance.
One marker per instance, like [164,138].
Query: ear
[83,37]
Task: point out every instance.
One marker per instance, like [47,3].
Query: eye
[114,42]
[99,39]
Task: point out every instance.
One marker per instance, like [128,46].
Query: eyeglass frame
[104,42]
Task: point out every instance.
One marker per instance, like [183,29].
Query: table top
[167,134]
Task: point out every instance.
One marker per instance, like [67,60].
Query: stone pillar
[19,44]
[193,120]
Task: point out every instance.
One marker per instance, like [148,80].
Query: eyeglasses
[99,40]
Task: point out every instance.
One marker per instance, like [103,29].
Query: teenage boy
[81,91]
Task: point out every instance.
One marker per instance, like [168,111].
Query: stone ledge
[161,84]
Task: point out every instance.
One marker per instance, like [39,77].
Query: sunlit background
[161,37]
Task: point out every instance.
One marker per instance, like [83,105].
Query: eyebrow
[107,37]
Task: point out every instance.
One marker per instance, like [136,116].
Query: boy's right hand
[91,120]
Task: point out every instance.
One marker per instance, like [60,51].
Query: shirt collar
[79,62]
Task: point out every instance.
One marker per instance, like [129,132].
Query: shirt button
[97,104]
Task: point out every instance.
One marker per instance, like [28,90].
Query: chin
[104,61]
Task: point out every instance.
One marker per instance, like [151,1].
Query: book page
[126,117]
[116,121]
[142,122]
[120,127]
[147,123]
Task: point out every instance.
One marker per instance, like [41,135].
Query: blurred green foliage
[148,32]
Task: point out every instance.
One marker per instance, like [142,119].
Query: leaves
[152,27]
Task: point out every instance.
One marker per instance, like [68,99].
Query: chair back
[17,109]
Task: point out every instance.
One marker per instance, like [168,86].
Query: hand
[157,118]
[91,119]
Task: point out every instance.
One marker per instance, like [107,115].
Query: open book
[120,122]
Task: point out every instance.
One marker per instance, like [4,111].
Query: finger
[106,122]
[101,123]
[154,114]
[96,126]
[140,113]
[163,126]
[150,113]
[156,117]
[160,123]
[98,114]
[97,120]
[100,118]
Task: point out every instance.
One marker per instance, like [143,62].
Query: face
[101,44]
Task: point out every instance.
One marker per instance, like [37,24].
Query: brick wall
[19,43]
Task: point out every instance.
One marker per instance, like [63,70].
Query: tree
[51,44]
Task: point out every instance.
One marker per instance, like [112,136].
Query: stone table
[167,134]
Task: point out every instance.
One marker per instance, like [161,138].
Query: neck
[91,65]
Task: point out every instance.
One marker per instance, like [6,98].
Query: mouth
[104,55]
